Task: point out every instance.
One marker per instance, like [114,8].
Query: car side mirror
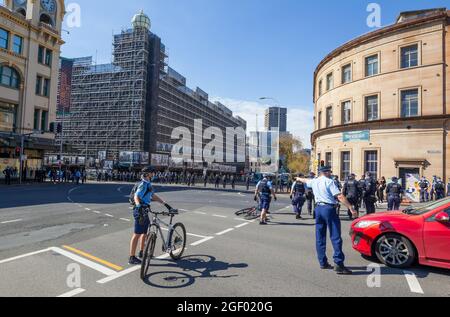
[443,217]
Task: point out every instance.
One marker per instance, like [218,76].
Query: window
[8,117]
[17,44]
[346,112]
[46,90]
[38,85]
[346,74]
[9,77]
[48,57]
[329,117]
[372,65]
[319,121]
[329,159]
[330,82]
[44,121]
[345,165]
[4,38]
[46,19]
[410,56]
[320,87]
[41,53]
[410,103]
[371,107]
[371,162]
[37,114]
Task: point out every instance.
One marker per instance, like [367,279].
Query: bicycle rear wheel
[252,214]
[177,241]
[148,254]
[243,211]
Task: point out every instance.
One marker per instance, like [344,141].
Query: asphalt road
[62,240]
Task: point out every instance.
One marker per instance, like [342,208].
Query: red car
[398,239]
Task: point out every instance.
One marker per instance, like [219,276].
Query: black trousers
[370,205]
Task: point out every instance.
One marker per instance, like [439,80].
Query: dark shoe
[298,217]
[263,223]
[342,270]
[134,261]
[141,255]
[327,267]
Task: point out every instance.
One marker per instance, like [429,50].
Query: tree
[291,150]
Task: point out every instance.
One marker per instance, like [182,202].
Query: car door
[437,239]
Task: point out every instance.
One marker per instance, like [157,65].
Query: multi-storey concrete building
[382,100]
[276,119]
[30,41]
[133,104]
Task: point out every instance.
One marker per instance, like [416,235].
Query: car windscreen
[428,208]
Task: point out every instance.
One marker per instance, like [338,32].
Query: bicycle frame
[156,223]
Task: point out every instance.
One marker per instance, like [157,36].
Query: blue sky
[240,50]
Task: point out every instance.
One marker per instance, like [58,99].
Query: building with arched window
[382,100]
[30,40]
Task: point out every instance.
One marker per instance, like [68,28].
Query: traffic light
[59,128]
[52,127]
[17,151]
[322,163]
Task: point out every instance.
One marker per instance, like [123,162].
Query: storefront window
[8,117]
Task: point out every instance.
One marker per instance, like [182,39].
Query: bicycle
[250,213]
[174,244]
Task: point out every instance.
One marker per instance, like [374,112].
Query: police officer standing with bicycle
[394,192]
[298,191]
[327,197]
[141,197]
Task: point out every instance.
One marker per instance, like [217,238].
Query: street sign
[356,136]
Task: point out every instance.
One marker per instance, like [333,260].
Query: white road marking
[224,232]
[242,225]
[124,219]
[413,282]
[108,215]
[188,234]
[10,221]
[127,271]
[220,216]
[201,241]
[73,293]
[24,256]
[96,212]
[85,262]
[184,210]
[87,209]
[200,213]
[239,219]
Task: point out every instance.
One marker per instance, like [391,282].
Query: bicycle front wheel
[177,241]
[243,211]
[148,254]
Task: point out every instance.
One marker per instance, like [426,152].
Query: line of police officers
[358,192]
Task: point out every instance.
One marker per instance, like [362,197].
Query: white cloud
[300,121]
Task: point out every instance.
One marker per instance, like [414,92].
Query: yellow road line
[94,258]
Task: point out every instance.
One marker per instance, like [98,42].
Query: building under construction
[131,106]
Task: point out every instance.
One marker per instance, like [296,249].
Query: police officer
[143,197]
[265,191]
[394,192]
[369,194]
[351,191]
[327,196]
[361,186]
[424,185]
[310,199]
[433,191]
[439,188]
[298,197]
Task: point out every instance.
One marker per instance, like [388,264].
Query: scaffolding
[108,101]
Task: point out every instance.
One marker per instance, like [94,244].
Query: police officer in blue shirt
[327,196]
[265,191]
[298,191]
[143,197]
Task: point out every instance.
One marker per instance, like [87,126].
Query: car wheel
[395,251]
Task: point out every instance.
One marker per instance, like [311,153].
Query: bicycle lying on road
[174,244]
